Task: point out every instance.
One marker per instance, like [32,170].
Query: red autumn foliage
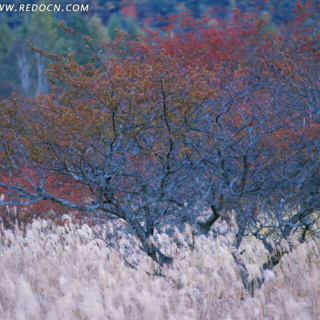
[128,9]
[57,185]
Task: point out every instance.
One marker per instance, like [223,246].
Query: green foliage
[91,27]
[113,25]
[43,31]
[118,22]
[5,38]
[24,70]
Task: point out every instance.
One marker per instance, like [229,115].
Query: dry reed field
[53,272]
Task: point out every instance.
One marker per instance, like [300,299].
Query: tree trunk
[206,225]
[24,68]
[148,247]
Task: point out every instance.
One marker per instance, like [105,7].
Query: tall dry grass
[54,272]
